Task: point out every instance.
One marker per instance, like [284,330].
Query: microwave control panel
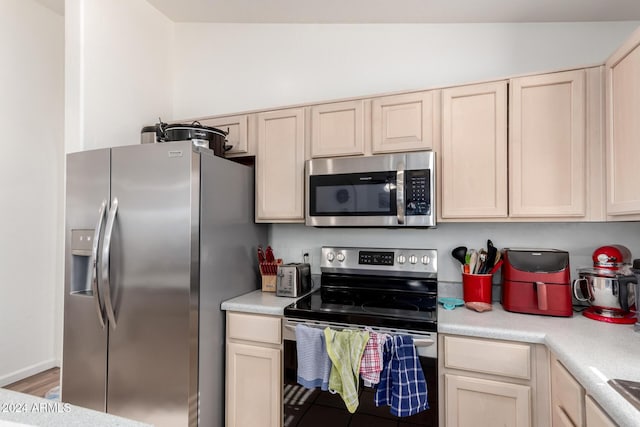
[417,192]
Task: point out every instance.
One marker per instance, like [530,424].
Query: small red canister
[476,287]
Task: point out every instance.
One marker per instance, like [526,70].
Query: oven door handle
[400,196]
[418,342]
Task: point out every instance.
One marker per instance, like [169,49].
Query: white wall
[253,66]
[31,171]
[119,71]
[222,68]
[580,239]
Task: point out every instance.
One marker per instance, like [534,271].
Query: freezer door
[84,362]
[153,283]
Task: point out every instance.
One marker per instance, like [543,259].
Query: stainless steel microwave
[395,190]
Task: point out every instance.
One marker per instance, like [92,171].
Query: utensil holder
[477,287]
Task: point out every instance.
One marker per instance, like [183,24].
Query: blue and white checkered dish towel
[314,364]
[402,384]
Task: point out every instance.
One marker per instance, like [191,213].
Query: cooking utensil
[459,253]
[496,266]
[498,257]
[491,257]
[201,136]
[148,134]
[482,259]
[605,289]
[473,261]
[450,303]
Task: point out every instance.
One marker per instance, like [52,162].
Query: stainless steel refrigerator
[157,236]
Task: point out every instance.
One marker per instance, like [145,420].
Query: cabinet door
[623,129]
[404,122]
[547,145]
[337,129]
[474,151]
[595,416]
[567,395]
[254,381]
[280,166]
[238,137]
[559,418]
[475,402]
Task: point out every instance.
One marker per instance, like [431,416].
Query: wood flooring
[38,384]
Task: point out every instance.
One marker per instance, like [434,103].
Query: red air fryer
[537,281]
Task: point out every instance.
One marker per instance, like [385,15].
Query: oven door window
[353,194]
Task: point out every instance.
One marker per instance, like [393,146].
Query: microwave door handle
[93,262]
[106,254]
[400,196]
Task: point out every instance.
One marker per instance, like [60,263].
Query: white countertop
[258,302]
[18,409]
[593,351]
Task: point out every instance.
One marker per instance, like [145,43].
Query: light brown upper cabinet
[238,135]
[337,129]
[473,154]
[623,130]
[553,154]
[547,145]
[385,124]
[405,122]
[280,166]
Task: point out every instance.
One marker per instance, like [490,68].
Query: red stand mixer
[608,286]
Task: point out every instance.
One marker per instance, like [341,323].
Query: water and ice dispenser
[81,247]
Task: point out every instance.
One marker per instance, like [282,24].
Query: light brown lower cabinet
[253,370]
[595,416]
[486,403]
[487,383]
[571,406]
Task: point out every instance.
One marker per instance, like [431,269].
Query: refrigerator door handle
[93,262]
[106,253]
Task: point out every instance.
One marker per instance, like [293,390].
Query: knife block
[268,272]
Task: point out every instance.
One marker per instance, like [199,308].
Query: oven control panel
[410,262]
[375,258]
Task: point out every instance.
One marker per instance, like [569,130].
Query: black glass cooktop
[403,311]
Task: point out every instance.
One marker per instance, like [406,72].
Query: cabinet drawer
[567,393]
[250,327]
[491,357]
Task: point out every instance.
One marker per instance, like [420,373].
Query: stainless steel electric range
[385,290]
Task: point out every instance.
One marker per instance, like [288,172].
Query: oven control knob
[425,259]
[340,256]
[402,259]
[413,259]
[330,257]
